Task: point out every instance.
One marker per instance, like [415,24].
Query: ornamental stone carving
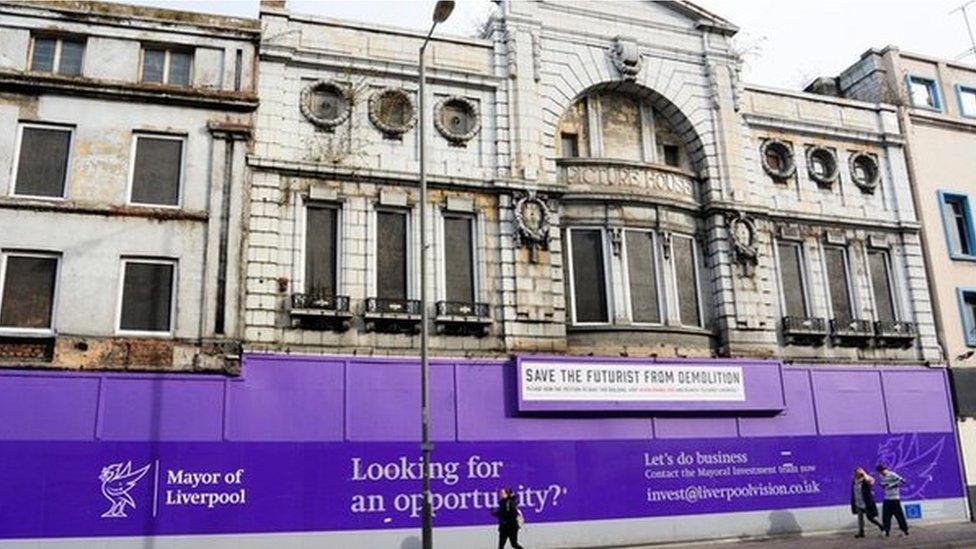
[822,165]
[627,178]
[626,57]
[742,238]
[457,119]
[777,158]
[865,171]
[326,104]
[391,111]
[532,223]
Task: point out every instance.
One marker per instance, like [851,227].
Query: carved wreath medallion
[532,221]
[391,111]
[742,235]
[326,104]
[457,119]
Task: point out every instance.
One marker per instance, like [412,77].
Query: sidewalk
[949,535]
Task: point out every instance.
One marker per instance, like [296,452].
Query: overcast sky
[789,41]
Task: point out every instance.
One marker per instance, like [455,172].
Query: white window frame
[893,294]
[299,278]
[475,253]
[167,55]
[696,262]
[13,330]
[68,162]
[625,267]
[607,274]
[848,273]
[409,236]
[132,168]
[56,63]
[174,291]
[804,277]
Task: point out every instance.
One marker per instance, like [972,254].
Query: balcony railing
[385,314]
[462,309]
[463,318]
[804,330]
[851,332]
[320,311]
[895,333]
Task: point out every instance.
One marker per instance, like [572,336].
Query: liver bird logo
[117,479]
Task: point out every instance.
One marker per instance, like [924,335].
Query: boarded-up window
[28,291]
[156,174]
[43,162]
[620,116]
[574,124]
[791,277]
[391,255]
[838,282]
[459,258]
[320,250]
[881,284]
[147,293]
[642,272]
[589,278]
[686,280]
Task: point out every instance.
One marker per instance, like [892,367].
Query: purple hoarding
[329,443]
[55,489]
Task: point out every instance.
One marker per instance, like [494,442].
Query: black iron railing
[320,302]
[462,309]
[385,305]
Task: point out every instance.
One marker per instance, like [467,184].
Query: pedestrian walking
[862,501]
[891,507]
[509,518]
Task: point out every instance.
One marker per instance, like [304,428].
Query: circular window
[865,171]
[392,112]
[821,165]
[457,120]
[777,159]
[326,104]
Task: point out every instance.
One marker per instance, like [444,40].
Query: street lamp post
[442,10]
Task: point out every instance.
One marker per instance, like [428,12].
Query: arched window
[620,126]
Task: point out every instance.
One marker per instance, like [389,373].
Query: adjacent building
[650,282]
[123,134]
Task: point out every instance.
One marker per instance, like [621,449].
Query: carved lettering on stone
[630,178]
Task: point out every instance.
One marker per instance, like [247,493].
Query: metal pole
[425,447]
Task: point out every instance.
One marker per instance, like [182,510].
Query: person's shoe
[858,535]
[887,534]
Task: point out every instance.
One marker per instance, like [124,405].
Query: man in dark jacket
[508,518]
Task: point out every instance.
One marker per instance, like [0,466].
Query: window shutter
[156,174]
[791,273]
[881,283]
[391,255]
[146,297]
[643,277]
[837,279]
[683,249]
[320,251]
[589,279]
[28,292]
[459,259]
[43,162]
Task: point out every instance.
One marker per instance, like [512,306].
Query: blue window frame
[924,92]
[966,97]
[957,218]
[967,309]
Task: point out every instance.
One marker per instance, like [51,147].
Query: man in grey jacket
[891,482]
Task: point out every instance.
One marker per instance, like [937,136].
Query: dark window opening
[156,174]
[642,272]
[838,282]
[881,284]
[179,68]
[570,145]
[28,292]
[672,155]
[147,293]
[153,65]
[320,250]
[589,279]
[43,163]
[164,66]
[391,255]
[791,275]
[459,258]
[686,280]
[969,322]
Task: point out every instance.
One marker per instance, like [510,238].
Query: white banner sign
[547,381]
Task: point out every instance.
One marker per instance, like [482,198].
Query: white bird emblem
[117,479]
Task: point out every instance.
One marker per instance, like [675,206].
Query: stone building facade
[123,133]
[617,189]
[936,105]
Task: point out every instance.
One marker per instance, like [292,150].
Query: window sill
[145,335]
[8,331]
[19,202]
[962,257]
